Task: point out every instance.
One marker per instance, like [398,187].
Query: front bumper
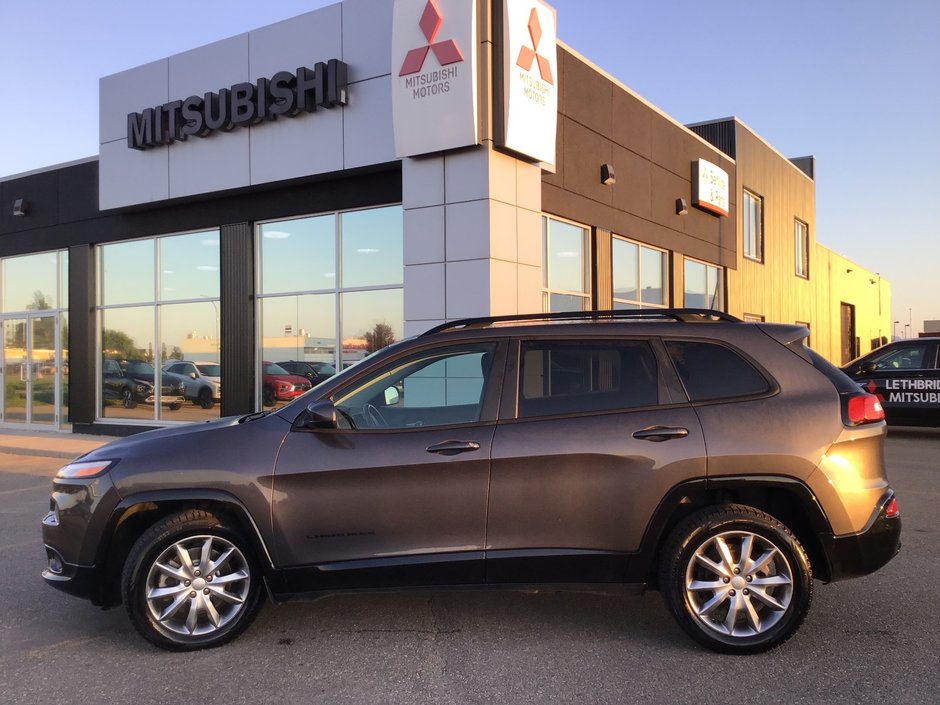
[78,580]
[866,552]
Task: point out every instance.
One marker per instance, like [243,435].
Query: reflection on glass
[299,328]
[695,284]
[371,321]
[704,287]
[189,266]
[127,355]
[298,255]
[30,283]
[64,280]
[64,367]
[15,370]
[567,302]
[652,275]
[42,369]
[567,260]
[624,256]
[127,272]
[372,247]
[189,337]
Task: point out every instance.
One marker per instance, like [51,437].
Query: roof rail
[682,315]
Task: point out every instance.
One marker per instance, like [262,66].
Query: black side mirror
[869,367]
[320,414]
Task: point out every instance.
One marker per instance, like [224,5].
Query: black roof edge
[681,315]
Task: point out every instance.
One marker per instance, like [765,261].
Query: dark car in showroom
[905,376]
[315,372]
[131,382]
[724,463]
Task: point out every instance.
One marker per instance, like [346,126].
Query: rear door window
[571,377]
[711,371]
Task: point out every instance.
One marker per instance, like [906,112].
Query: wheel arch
[136,513]
[785,498]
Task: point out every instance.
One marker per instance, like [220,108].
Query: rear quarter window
[565,377]
[710,371]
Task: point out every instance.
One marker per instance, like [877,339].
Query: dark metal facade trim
[237,289]
[721,134]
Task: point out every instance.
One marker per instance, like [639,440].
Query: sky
[854,82]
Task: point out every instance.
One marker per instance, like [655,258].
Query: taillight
[891,508]
[863,408]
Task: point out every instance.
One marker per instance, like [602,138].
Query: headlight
[83,470]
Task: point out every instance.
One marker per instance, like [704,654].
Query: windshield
[209,369]
[271,369]
[291,410]
[138,368]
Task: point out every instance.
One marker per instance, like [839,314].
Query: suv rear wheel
[736,579]
[190,582]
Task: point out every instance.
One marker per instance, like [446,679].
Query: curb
[14,450]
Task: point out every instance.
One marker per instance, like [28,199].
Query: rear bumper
[866,552]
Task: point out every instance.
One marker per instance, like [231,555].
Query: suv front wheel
[736,579]
[190,582]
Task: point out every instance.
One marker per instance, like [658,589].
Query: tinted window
[573,377]
[909,357]
[433,388]
[711,371]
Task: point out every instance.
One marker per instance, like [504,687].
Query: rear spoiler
[791,336]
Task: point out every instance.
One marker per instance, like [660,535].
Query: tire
[176,406]
[267,396]
[714,599]
[205,398]
[127,398]
[207,612]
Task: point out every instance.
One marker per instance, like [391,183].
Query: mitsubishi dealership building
[311,190]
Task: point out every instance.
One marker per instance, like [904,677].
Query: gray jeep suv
[722,462]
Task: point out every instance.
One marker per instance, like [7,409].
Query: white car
[203,381]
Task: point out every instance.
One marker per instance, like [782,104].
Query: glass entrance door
[31,370]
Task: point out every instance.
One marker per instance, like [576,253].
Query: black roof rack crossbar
[683,315]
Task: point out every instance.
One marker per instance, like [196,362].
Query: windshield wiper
[253,417]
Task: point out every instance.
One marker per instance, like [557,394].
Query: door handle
[454,447]
[658,434]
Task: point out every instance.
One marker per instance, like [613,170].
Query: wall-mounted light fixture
[849,271]
[682,208]
[20,207]
[608,177]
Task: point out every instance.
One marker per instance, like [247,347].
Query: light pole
[894,330]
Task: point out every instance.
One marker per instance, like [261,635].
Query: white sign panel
[709,187]
[434,75]
[530,79]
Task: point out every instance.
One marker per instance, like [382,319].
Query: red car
[280,385]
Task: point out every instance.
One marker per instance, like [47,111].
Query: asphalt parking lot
[871,640]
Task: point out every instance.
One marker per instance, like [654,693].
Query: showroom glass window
[640,275]
[566,266]
[704,285]
[34,333]
[330,291]
[158,304]
[801,248]
[752,226]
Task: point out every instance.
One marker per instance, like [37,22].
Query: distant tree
[381,336]
[176,353]
[115,343]
[39,303]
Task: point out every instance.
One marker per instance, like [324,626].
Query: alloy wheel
[738,584]
[197,585]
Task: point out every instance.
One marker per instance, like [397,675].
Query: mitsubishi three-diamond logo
[527,55]
[446,52]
